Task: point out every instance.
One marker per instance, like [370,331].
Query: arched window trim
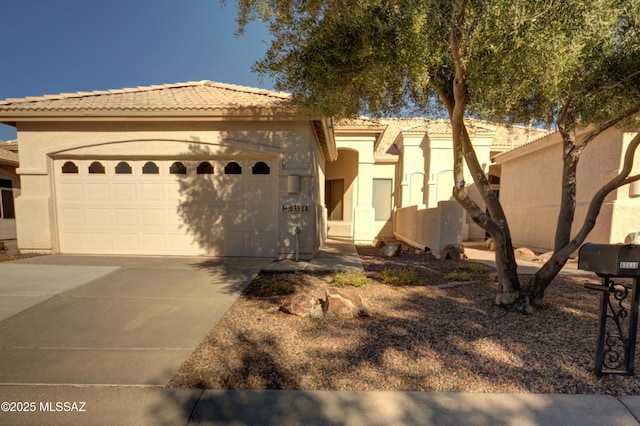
[150,168]
[69,167]
[123,168]
[178,168]
[232,168]
[205,168]
[96,168]
[261,168]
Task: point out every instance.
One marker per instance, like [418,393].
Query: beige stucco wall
[530,191]
[426,171]
[292,143]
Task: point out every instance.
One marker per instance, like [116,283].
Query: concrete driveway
[110,320]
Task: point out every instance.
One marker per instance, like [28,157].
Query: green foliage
[278,287]
[458,276]
[350,278]
[473,267]
[400,277]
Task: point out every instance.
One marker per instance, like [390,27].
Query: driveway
[110,320]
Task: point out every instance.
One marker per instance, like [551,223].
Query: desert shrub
[458,276]
[400,277]
[473,267]
[278,287]
[350,278]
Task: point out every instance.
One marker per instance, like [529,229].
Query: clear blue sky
[59,46]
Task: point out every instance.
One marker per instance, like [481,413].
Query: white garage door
[166,207]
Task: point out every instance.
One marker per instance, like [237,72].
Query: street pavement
[93,340]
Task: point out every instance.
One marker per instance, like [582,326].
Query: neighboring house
[9,189]
[198,168]
[530,189]
[394,178]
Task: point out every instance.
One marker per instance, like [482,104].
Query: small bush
[279,287]
[350,278]
[400,277]
[474,267]
[458,276]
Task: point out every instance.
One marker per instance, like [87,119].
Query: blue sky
[59,46]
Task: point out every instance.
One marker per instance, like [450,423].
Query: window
[333,194]
[123,168]
[205,168]
[150,168]
[96,168]
[232,168]
[70,167]
[7,210]
[260,168]
[382,191]
[178,168]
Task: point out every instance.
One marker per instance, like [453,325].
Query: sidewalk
[153,405]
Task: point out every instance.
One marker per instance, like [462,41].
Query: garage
[214,207]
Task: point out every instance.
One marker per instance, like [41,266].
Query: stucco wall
[291,143]
[530,191]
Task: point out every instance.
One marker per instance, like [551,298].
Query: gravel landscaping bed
[436,336]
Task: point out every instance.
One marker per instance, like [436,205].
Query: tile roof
[8,153]
[202,96]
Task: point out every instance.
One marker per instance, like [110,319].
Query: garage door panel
[125,192]
[97,192]
[125,217]
[73,217]
[71,192]
[99,217]
[158,214]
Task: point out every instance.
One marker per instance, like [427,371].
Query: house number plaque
[295,208]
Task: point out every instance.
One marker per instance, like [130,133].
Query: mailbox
[613,260]
[615,350]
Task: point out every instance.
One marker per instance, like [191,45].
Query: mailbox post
[615,349]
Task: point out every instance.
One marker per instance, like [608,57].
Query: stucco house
[9,189]
[205,168]
[394,178]
[181,169]
[530,189]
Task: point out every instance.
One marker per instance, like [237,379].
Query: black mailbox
[614,260]
[615,350]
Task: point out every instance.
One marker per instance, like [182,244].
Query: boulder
[525,254]
[378,243]
[303,305]
[337,304]
[452,252]
[391,250]
[340,305]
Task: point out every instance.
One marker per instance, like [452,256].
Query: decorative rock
[378,243]
[303,305]
[489,244]
[339,305]
[391,250]
[452,252]
[524,253]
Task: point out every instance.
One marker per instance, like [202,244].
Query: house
[205,168]
[530,189]
[394,178]
[9,189]
[196,168]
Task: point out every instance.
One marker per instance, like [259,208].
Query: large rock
[303,305]
[525,253]
[340,305]
[391,250]
[337,304]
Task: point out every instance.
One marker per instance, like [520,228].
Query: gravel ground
[439,336]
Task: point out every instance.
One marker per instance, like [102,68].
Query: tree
[575,63]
